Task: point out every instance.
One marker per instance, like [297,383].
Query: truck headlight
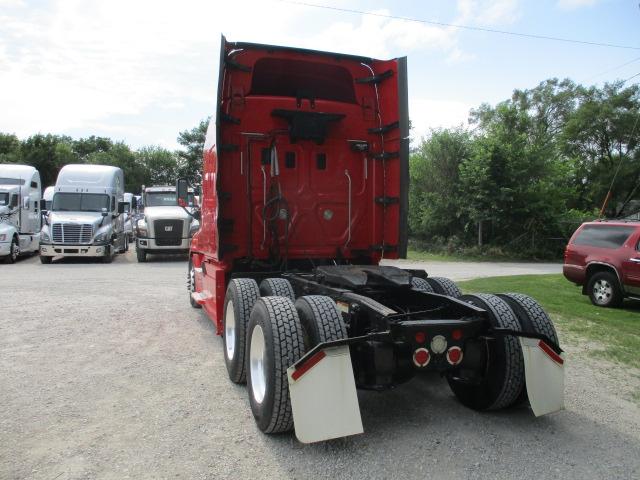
[141,228]
[3,237]
[194,227]
[101,237]
[44,237]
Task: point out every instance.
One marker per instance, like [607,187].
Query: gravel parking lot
[107,372]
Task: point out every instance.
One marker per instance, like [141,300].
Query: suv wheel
[604,290]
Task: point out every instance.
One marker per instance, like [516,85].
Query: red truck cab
[604,258]
[305,162]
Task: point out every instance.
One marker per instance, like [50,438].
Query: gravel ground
[107,372]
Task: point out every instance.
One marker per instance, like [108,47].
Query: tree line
[528,170]
[149,165]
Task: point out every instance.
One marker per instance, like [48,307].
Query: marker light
[438,344]
[420,337]
[421,357]
[454,355]
[456,334]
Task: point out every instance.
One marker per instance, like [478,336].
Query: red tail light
[456,334]
[420,337]
[454,355]
[421,357]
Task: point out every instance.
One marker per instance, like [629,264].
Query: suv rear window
[603,236]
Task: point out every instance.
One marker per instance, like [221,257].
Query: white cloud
[488,12]
[574,4]
[428,113]
[72,65]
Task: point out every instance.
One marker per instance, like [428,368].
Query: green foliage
[161,165]
[535,166]
[190,158]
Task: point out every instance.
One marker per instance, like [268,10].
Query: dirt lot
[107,372]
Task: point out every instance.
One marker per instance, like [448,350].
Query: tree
[190,158]
[10,149]
[435,186]
[160,164]
[48,153]
[600,137]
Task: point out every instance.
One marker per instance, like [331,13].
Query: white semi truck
[20,192]
[86,217]
[166,226]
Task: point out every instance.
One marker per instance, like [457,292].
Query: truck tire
[191,284]
[14,251]
[604,290]
[532,319]
[141,255]
[126,244]
[503,381]
[45,260]
[275,343]
[108,258]
[530,315]
[320,319]
[421,285]
[242,294]
[277,287]
[444,286]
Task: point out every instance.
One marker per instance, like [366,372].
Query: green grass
[615,332]
[423,255]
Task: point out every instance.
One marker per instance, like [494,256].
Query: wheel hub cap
[602,291]
[256,364]
[230,330]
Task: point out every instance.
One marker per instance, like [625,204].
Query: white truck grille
[72,233]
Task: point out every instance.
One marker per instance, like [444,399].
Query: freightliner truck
[166,227]
[20,192]
[304,192]
[86,217]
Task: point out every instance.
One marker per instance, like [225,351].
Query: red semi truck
[304,192]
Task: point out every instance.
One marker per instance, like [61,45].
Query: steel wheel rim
[192,279]
[256,364]
[602,292]
[230,330]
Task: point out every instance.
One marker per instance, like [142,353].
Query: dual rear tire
[503,383]
[264,336]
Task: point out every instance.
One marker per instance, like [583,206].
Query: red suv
[604,258]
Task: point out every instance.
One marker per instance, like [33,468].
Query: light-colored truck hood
[93,218]
[165,213]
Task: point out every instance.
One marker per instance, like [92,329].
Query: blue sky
[141,71]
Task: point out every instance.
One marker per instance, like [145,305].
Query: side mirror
[182,191]
[13,203]
[43,205]
[134,203]
[25,203]
[104,212]
[123,207]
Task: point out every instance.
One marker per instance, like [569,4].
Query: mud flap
[544,374]
[323,396]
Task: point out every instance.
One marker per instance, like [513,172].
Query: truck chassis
[393,325]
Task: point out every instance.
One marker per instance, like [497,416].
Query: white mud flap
[544,374]
[323,396]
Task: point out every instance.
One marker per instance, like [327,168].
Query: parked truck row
[88,214]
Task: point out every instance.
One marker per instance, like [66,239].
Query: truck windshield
[164,199]
[4,199]
[80,202]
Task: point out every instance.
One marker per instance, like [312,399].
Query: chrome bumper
[73,250]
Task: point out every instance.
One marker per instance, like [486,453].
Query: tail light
[438,344]
[421,357]
[454,355]
[420,337]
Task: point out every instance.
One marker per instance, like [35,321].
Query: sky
[141,71]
